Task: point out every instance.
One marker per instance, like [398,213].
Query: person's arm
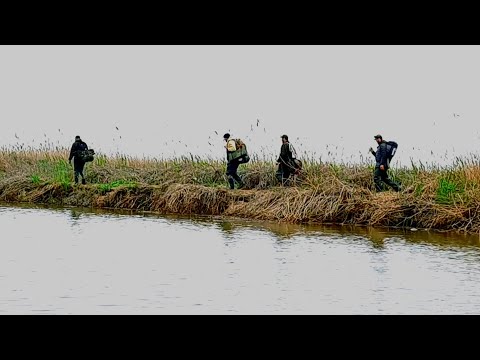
[72,153]
[279,160]
[372,151]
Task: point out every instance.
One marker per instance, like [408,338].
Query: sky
[164,101]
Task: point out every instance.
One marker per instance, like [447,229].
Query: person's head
[226,136]
[77,138]
[284,139]
[378,138]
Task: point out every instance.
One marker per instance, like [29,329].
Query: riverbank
[434,198]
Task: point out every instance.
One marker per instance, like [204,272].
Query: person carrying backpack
[287,165]
[236,155]
[383,156]
[76,153]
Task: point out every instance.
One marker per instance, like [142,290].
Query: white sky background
[179,95]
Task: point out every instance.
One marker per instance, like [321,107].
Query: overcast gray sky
[168,100]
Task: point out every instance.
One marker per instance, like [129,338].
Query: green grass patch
[114,184]
[62,172]
[447,191]
[36,180]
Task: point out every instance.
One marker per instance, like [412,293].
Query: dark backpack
[391,149]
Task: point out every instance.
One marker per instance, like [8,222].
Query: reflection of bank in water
[377,236]
[233,227]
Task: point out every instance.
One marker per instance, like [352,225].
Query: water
[79,261]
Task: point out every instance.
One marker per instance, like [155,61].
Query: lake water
[80,261]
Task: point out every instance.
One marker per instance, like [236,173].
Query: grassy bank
[446,198]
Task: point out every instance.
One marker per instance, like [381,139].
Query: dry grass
[440,198]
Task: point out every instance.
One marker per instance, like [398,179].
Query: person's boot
[83,182]
[231,183]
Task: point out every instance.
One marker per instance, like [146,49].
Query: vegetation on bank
[446,198]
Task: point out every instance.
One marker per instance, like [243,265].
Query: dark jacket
[381,155]
[77,146]
[286,155]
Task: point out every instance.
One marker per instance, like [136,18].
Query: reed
[444,198]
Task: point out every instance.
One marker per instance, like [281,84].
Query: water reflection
[71,260]
[226,227]
[377,236]
[281,230]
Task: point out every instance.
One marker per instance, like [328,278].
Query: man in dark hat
[382,165]
[78,163]
[286,161]
[232,162]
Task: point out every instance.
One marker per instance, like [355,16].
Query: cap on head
[378,137]
[226,136]
[284,137]
[77,137]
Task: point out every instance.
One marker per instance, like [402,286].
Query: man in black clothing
[285,162]
[78,163]
[382,165]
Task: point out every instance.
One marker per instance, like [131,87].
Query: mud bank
[346,205]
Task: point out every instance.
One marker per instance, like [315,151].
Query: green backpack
[241,152]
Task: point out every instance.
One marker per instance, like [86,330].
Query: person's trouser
[78,169]
[382,176]
[283,173]
[232,175]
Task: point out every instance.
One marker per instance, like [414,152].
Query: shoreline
[290,205]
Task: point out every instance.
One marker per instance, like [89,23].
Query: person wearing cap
[232,162]
[78,163]
[381,165]
[286,161]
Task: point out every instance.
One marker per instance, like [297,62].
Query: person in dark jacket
[78,163]
[382,165]
[286,161]
[232,162]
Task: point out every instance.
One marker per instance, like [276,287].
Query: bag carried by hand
[87,155]
[244,159]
